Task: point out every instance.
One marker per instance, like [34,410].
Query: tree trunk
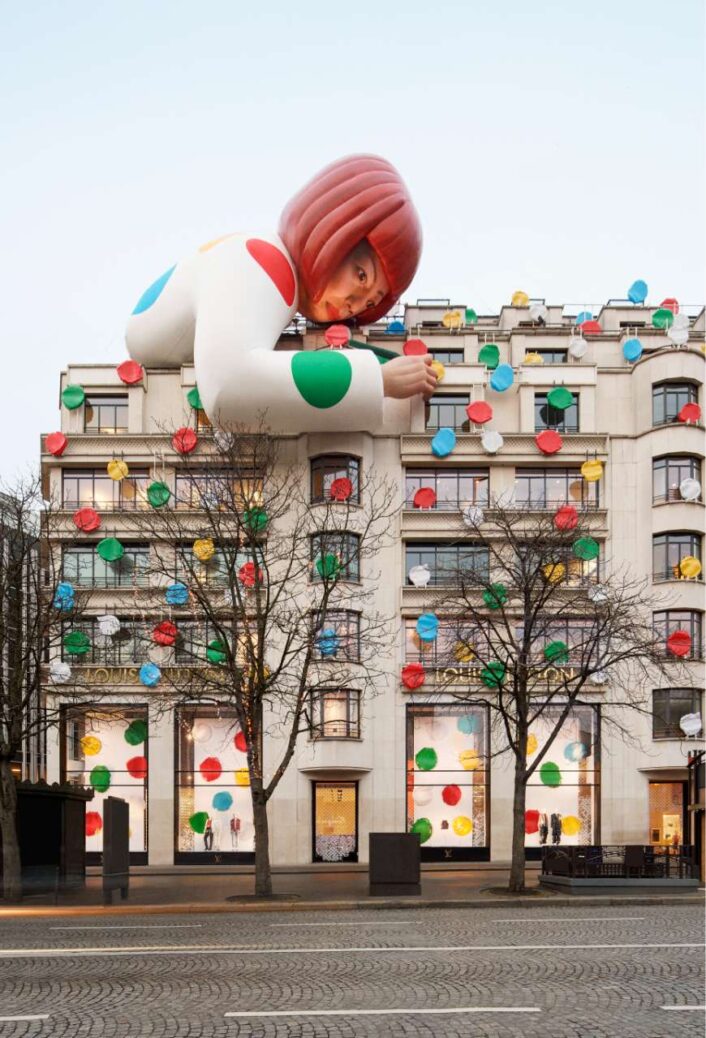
[11,865]
[517,867]
[263,872]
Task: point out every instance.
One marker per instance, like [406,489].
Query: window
[203,422]
[668,398]
[552,356]
[668,473]
[93,488]
[346,624]
[668,820]
[447,411]
[112,744]
[440,652]
[217,488]
[549,488]
[563,793]
[580,637]
[335,713]
[129,645]
[194,638]
[105,414]
[447,562]
[447,780]
[576,571]
[345,547]
[328,467]
[447,356]
[668,706]
[547,417]
[454,488]
[214,807]
[216,571]
[668,549]
[84,567]
[668,621]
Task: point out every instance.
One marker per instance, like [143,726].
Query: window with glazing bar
[550,488]
[548,417]
[328,467]
[335,713]
[449,563]
[344,642]
[105,414]
[667,621]
[669,472]
[83,566]
[669,705]
[454,488]
[668,398]
[335,554]
[447,411]
[668,549]
[93,488]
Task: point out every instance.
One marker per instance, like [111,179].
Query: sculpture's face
[357,285]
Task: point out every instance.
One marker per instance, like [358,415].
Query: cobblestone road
[584,972]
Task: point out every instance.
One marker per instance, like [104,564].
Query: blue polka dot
[152,294]
[222,801]
[467,724]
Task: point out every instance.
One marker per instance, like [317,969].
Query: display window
[105,749]
[214,818]
[563,793]
[667,824]
[447,780]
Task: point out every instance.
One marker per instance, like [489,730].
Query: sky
[552,147]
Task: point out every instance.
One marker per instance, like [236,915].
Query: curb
[377,904]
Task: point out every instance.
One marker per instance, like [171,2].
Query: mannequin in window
[543,829]
[234,831]
[208,834]
[556,828]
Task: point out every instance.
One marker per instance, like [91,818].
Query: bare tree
[265,570]
[540,631]
[37,613]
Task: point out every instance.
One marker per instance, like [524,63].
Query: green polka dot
[423,829]
[323,377]
[197,822]
[136,732]
[550,774]
[426,759]
[73,397]
[194,399]
[100,778]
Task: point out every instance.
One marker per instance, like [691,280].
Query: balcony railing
[336,730]
[673,573]
[620,861]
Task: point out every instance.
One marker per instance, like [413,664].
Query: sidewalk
[186,889]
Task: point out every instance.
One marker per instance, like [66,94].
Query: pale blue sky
[553,147]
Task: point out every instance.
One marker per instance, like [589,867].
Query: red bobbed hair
[356,198]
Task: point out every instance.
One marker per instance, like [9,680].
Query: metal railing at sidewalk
[626,861]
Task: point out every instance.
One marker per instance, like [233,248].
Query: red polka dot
[94,823]
[531,821]
[240,743]
[87,520]
[689,413]
[210,769]
[184,440]
[451,795]
[56,443]
[424,498]
[137,767]
[549,441]
[414,348]
[679,643]
[341,489]
[479,412]
[566,518]
[670,303]
[591,328]
[165,633]
[130,372]
[413,675]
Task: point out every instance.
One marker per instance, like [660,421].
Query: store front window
[563,793]
[447,775]
[667,813]
[106,750]
[214,820]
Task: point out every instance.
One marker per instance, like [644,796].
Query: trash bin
[394,868]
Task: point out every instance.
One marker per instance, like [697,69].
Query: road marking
[14,1019]
[406,922]
[387,1012]
[249,949]
[685,1009]
[140,926]
[594,919]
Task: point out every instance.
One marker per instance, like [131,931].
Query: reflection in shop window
[563,793]
[106,749]
[214,809]
[666,813]
[447,762]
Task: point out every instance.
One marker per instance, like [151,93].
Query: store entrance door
[335,821]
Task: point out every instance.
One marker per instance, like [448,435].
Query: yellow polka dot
[439,370]
[570,825]
[242,777]
[469,760]
[531,744]
[91,745]
[462,825]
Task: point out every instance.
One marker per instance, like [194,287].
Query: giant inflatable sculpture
[348,245]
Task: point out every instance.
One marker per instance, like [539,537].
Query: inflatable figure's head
[355,239]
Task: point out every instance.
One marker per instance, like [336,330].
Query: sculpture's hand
[404,377]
